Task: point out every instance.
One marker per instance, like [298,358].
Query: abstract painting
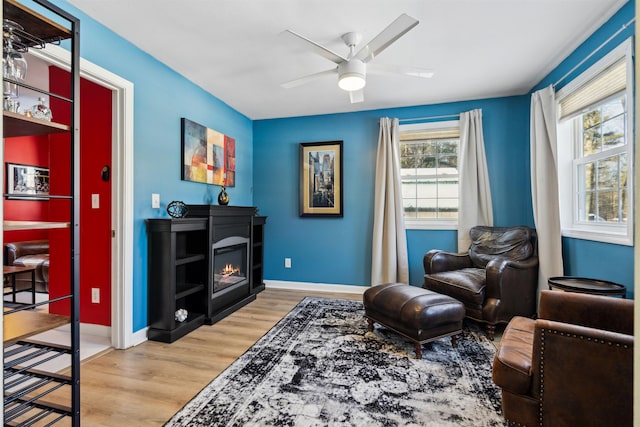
[208,156]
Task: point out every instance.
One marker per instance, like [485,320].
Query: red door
[95,198]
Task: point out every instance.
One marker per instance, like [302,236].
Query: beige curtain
[544,184]
[475,192]
[389,259]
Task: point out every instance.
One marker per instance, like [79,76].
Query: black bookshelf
[177,276]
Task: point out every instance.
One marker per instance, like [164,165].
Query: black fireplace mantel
[181,294]
[219,212]
[225,222]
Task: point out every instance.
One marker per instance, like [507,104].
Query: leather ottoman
[416,313]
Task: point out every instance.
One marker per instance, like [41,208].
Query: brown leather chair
[495,280]
[31,253]
[573,366]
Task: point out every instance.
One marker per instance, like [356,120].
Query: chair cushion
[466,285]
[488,243]
[512,362]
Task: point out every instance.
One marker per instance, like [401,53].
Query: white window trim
[424,223]
[621,234]
[430,224]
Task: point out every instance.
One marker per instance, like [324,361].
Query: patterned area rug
[319,366]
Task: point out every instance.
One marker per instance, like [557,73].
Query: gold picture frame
[321,179]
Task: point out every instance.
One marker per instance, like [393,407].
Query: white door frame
[122,335]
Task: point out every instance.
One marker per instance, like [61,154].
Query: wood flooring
[147,384]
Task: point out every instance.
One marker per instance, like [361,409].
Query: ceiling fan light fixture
[351,82]
[351,75]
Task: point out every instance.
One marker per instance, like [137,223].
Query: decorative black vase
[223,197]
[177,209]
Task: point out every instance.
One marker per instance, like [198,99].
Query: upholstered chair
[495,280]
[30,253]
[572,366]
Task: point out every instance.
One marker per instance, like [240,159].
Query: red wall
[95,235]
[95,228]
[27,151]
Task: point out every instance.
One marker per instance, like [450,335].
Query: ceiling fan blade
[315,47]
[393,32]
[376,68]
[309,78]
[356,96]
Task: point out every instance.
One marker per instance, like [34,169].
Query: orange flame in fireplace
[229,270]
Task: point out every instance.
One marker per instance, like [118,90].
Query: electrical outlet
[155,200]
[287,263]
[95,295]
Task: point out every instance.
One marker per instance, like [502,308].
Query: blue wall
[587,258]
[338,250]
[161,98]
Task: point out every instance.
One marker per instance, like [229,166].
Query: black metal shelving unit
[33,396]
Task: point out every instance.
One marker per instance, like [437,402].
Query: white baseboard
[138,337]
[316,287]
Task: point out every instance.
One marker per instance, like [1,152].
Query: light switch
[155,200]
[95,295]
[95,201]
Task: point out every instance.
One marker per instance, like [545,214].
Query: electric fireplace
[232,258]
[230,263]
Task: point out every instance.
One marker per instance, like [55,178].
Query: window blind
[430,134]
[609,82]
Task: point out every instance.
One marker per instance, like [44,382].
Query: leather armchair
[495,280]
[33,253]
[573,366]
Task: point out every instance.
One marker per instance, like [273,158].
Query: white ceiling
[234,49]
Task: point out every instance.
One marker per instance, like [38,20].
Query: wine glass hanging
[14,65]
[15,42]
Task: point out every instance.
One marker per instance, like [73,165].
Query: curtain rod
[415,119]
[596,50]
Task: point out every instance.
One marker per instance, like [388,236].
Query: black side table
[12,270]
[587,286]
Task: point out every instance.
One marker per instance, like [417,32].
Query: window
[429,172]
[595,149]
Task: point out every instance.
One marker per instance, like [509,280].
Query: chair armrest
[582,375]
[602,312]
[518,274]
[511,289]
[499,265]
[437,261]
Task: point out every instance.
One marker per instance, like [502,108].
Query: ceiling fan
[353,69]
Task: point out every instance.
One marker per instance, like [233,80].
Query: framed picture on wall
[321,179]
[27,182]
